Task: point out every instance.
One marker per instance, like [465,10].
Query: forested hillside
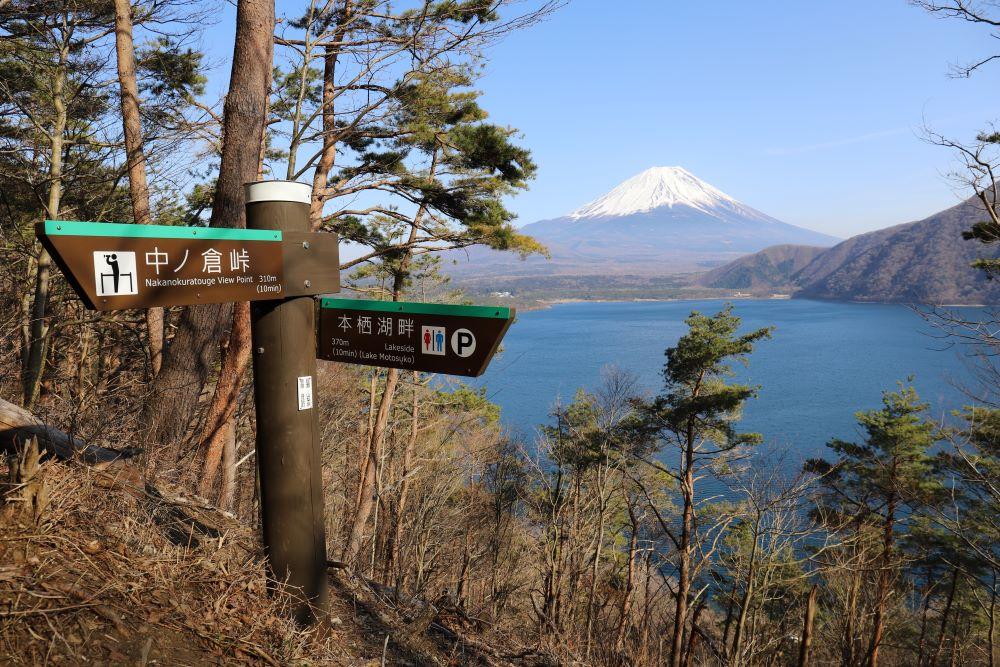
[771,269]
[918,262]
[131,501]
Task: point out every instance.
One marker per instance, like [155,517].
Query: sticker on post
[305,392]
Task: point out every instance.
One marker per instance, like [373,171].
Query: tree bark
[807,628]
[693,637]
[884,577]
[625,611]
[368,491]
[404,484]
[991,636]
[848,648]
[227,490]
[188,362]
[945,615]
[922,641]
[218,420]
[329,152]
[596,565]
[748,591]
[683,574]
[136,160]
[39,327]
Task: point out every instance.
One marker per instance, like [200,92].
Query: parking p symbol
[463,343]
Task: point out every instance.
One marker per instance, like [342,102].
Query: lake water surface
[826,361]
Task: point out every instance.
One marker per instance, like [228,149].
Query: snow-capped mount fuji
[668,187]
[661,221]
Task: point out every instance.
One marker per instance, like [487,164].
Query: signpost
[277,264]
[115,266]
[429,337]
[288,448]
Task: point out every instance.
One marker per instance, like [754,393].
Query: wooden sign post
[288,447]
[277,264]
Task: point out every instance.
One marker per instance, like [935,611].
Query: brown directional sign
[429,337]
[114,266]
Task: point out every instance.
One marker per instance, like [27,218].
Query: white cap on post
[292,191]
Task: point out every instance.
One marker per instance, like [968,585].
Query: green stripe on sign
[498,312]
[118,229]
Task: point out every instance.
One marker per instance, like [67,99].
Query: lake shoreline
[543,304]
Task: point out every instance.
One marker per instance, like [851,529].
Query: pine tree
[453,170]
[696,416]
[973,516]
[877,484]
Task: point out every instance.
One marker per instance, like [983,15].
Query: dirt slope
[96,568]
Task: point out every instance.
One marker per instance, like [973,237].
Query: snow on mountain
[662,221]
[665,187]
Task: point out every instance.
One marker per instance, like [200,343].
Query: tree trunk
[647,605]
[136,160]
[953,660]
[991,636]
[884,578]
[693,637]
[404,484]
[595,568]
[462,585]
[38,334]
[945,615]
[730,607]
[683,574]
[188,362]
[547,621]
[625,611]
[155,323]
[227,491]
[807,628]
[922,641]
[18,426]
[26,316]
[367,501]
[847,653]
[748,591]
[329,152]
[235,357]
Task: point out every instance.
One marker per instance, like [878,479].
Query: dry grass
[110,573]
[97,568]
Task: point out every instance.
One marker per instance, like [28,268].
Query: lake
[826,361]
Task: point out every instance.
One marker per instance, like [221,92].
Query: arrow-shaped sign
[429,337]
[113,266]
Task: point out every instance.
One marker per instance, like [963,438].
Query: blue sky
[809,111]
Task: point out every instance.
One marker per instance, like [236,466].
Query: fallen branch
[18,426]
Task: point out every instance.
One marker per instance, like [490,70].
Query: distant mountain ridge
[662,221]
[926,261]
[770,269]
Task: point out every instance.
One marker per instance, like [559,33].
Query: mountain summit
[664,187]
[662,221]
